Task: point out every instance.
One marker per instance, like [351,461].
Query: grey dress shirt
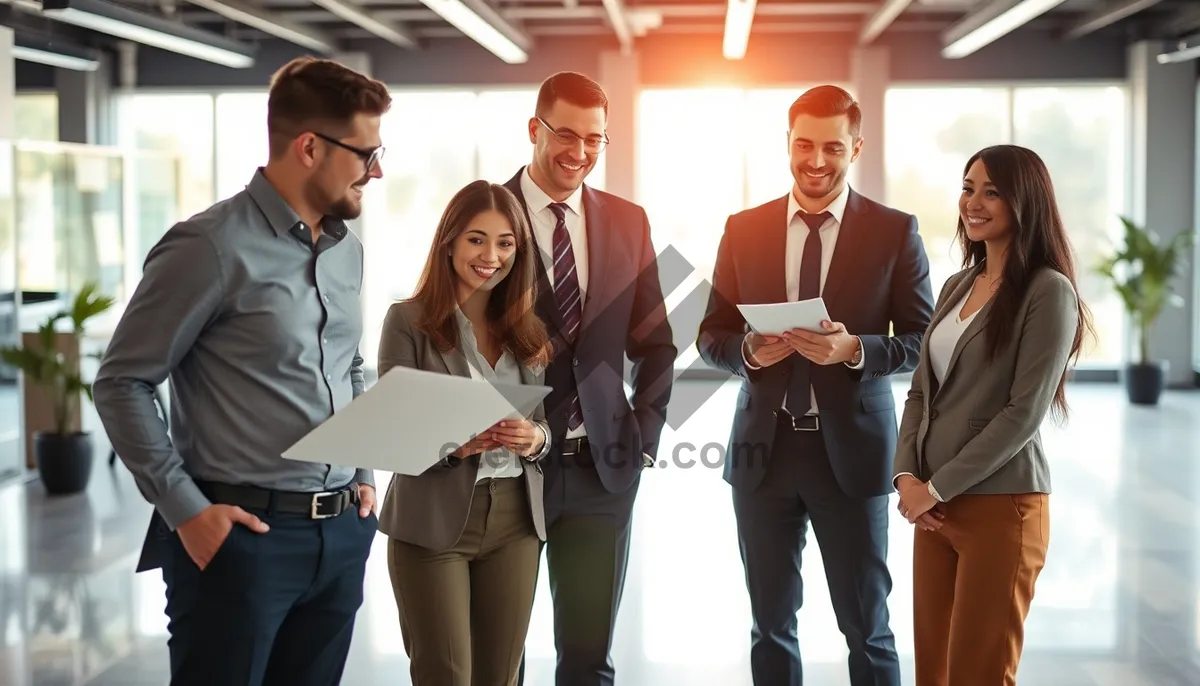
[258,330]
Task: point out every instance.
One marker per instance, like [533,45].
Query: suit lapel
[773,256]
[456,363]
[847,246]
[951,308]
[598,235]
[546,305]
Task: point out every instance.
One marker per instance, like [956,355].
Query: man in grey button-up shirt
[252,310]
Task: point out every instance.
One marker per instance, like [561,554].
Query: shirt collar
[537,200]
[282,218]
[837,207]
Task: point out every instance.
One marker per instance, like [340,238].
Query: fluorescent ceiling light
[739,16]
[54,59]
[475,27]
[990,23]
[271,24]
[150,30]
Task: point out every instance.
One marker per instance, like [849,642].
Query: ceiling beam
[991,22]
[1181,23]
[270,23]
[388,30]
[1106,16]
[615,9]
[882,18]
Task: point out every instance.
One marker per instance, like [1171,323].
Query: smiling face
[822,150]
[335,187]
[567,140]
[984,213]
[482,255]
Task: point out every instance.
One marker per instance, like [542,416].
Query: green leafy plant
[48,367]
[1141,273]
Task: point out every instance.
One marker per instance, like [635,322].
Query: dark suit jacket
[430,510]
[623,315]
[877,285]
[979,431]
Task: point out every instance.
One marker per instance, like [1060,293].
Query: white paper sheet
[775,318]
[411,418]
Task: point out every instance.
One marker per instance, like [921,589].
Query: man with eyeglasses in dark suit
[599,295]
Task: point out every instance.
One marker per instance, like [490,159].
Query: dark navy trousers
[271,609]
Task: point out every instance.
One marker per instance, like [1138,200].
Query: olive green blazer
[979,430]
[430,509]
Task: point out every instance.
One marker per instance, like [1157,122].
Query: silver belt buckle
[316,504]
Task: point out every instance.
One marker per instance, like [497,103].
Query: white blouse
[944,337]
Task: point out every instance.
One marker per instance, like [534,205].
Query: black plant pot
[1144,382]
[64,462]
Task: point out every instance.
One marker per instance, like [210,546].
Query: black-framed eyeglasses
[569,137]
[370,157]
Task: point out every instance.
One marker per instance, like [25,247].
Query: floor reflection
[1117,603]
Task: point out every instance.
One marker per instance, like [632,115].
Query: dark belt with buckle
[574,446]
[322,505]
[809,422]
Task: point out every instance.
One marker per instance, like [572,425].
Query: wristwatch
[857,354]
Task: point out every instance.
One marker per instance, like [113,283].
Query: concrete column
[85,105]
[1163,102]
[8,85]
[869,75]
[619,78]
[358,61]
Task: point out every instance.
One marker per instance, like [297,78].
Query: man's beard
[802,180]
[342,207]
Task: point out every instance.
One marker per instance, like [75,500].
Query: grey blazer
[430,510]
[979,432]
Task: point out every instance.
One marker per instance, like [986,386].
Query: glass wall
[1080,132]
[181,125]
[35,116]
[11,456]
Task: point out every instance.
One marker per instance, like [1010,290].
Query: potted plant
[63,454]
[1142,273]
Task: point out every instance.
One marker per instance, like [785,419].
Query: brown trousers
[973,582]
[464,612]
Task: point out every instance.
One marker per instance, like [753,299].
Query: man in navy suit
[815,425]
[600,297]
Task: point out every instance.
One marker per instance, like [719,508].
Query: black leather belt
[574,446]
[322,505]
[809,422]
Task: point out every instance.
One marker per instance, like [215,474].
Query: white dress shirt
[544,222]
[797,234]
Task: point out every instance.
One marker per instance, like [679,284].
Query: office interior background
[119,119]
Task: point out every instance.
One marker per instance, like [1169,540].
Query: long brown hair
[1038,240]
[510,308]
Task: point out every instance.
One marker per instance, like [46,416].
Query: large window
[35,116]
[1080,132]
[438,142]
[180,124]
[706,153]
[241,124]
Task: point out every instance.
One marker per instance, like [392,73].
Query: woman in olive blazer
[970,466]
[465,535]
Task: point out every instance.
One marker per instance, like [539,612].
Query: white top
[500,462]
[944,337]
[543,222]
[797,234]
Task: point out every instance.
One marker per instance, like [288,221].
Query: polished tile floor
[1118,604]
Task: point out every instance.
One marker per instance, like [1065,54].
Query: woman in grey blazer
[970,467]
[465,536]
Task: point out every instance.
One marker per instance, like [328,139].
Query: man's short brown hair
[827,101]
[318,95]
[573,88]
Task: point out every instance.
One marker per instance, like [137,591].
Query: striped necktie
[567,294]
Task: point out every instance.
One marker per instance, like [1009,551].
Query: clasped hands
[832,347]
[523,437]
[918,505]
